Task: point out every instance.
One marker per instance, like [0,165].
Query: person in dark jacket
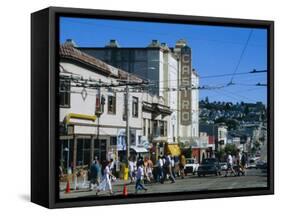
[94,174]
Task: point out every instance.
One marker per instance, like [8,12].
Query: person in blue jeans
[159,169]
[139,178]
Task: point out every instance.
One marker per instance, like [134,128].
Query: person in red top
[148,166]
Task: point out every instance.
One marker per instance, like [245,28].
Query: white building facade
[84,82]
[169,69]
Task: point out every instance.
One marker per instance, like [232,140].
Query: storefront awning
[138,149]
[79,116]
[173,149]
[159,139]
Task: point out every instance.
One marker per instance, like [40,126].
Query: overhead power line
[231,74]
[241,56]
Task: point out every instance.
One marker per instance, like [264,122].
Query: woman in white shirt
[106,181]
[229,165]
[132,167]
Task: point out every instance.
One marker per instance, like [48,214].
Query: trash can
[124,173]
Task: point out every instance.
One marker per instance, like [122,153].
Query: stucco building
[87,82]
[170,72]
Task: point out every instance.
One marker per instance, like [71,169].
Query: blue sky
[215,50]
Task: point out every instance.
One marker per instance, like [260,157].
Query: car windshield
[190,161]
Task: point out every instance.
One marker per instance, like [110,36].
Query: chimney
[113,44]
[165,46]
[70,42]
[154,43]
[181,43]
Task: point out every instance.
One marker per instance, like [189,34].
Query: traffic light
[98,105]
[100,102]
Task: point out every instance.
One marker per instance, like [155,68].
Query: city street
[254,178]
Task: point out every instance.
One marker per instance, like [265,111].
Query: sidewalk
[81,185]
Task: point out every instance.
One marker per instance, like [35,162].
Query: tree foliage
[231,124]
[230,148]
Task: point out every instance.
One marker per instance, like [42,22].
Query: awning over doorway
[159,139]
[79,116]
[173,149]
[138,149]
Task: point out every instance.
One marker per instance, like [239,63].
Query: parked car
[209,166]
[223,166]
[191,166]
[253,163]
[261,164]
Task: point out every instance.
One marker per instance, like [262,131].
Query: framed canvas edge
[53,43]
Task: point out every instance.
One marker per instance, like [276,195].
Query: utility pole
[127,119]
[98,114]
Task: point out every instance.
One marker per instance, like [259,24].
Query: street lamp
[66,149]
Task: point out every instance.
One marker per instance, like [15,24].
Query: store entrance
[83,151]
[100,149]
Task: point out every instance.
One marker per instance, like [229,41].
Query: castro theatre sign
[186,86]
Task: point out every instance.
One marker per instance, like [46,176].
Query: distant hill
[233,115]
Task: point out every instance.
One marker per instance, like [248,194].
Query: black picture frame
[44,109]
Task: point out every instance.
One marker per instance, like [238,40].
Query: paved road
[253,178]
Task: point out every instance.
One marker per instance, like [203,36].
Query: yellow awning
[79,116]
[173,149]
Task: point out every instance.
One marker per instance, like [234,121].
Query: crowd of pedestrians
[142,171]
[236,164]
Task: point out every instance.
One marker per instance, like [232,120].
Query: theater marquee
[186,86]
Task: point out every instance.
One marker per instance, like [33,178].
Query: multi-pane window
[155,128]
[100,146]
[161,125]
[148,127]
[111,104]
[66,153]
[174,138]
[135,107]
[64,90]
[144,127]
[113,140]
[83,151]
[163,128]
[139,140]
[124,108]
